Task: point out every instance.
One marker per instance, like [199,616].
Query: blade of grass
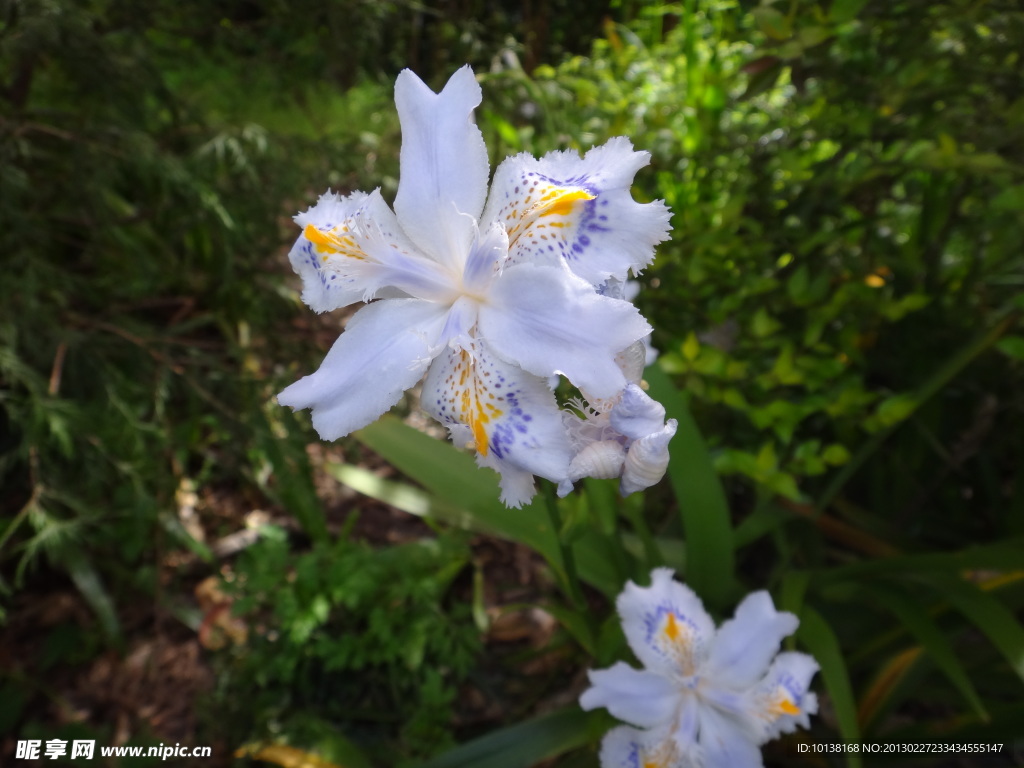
[875,699]
[701,499]
[294,490]
[89,583]
[821,641]
[920,624]
[989,615]
[526,744]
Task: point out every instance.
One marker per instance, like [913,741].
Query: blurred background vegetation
[838,310]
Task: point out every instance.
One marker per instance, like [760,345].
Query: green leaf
[895,409]
[836,454]
[905,305]
[461,493]
[526,744]
[89,583]
[576,625]
[1012,346]
[453,479]
[294,488]
[505,129]
[821,641]
[771,22]
[927,633]
[794,588]
[764,324]
[845,10]
[601,497]
[796,286]
[1002,555]
[701,499]
[766,518]
[814,35]
[994,619]
[691,347]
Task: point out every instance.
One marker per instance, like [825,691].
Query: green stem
[652,553]
[570,575]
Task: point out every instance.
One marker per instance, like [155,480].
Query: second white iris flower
[706,697]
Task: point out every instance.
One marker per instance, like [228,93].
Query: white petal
[782,701]
[745,645]
[647,460]
[591,428]
[638,697]
[725,744]
[579,209]
[512,415]
[352,247]
[666,624]
[626,747]
[460,323]
[517,486]
[636,414]
[444,167]
[384,351]
[633,359]
[486,257]
[547,321]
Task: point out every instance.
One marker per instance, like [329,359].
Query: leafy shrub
[370,643]
[832,242]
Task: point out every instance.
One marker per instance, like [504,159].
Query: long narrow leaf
[294,489]
[927,633]
[89,583]
[454,478]
[1002,555]
[989,615]
[526,744]
[702,503]
[401,496]
[817,635]
[882,695]
[465,495]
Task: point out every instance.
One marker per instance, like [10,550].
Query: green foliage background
[839,307]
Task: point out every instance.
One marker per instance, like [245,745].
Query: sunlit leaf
[467,495]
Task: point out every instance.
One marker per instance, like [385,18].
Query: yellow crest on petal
[472,400]
[539,208]
[334,240]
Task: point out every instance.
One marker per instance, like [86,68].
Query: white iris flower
[707,697]
[485,295]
